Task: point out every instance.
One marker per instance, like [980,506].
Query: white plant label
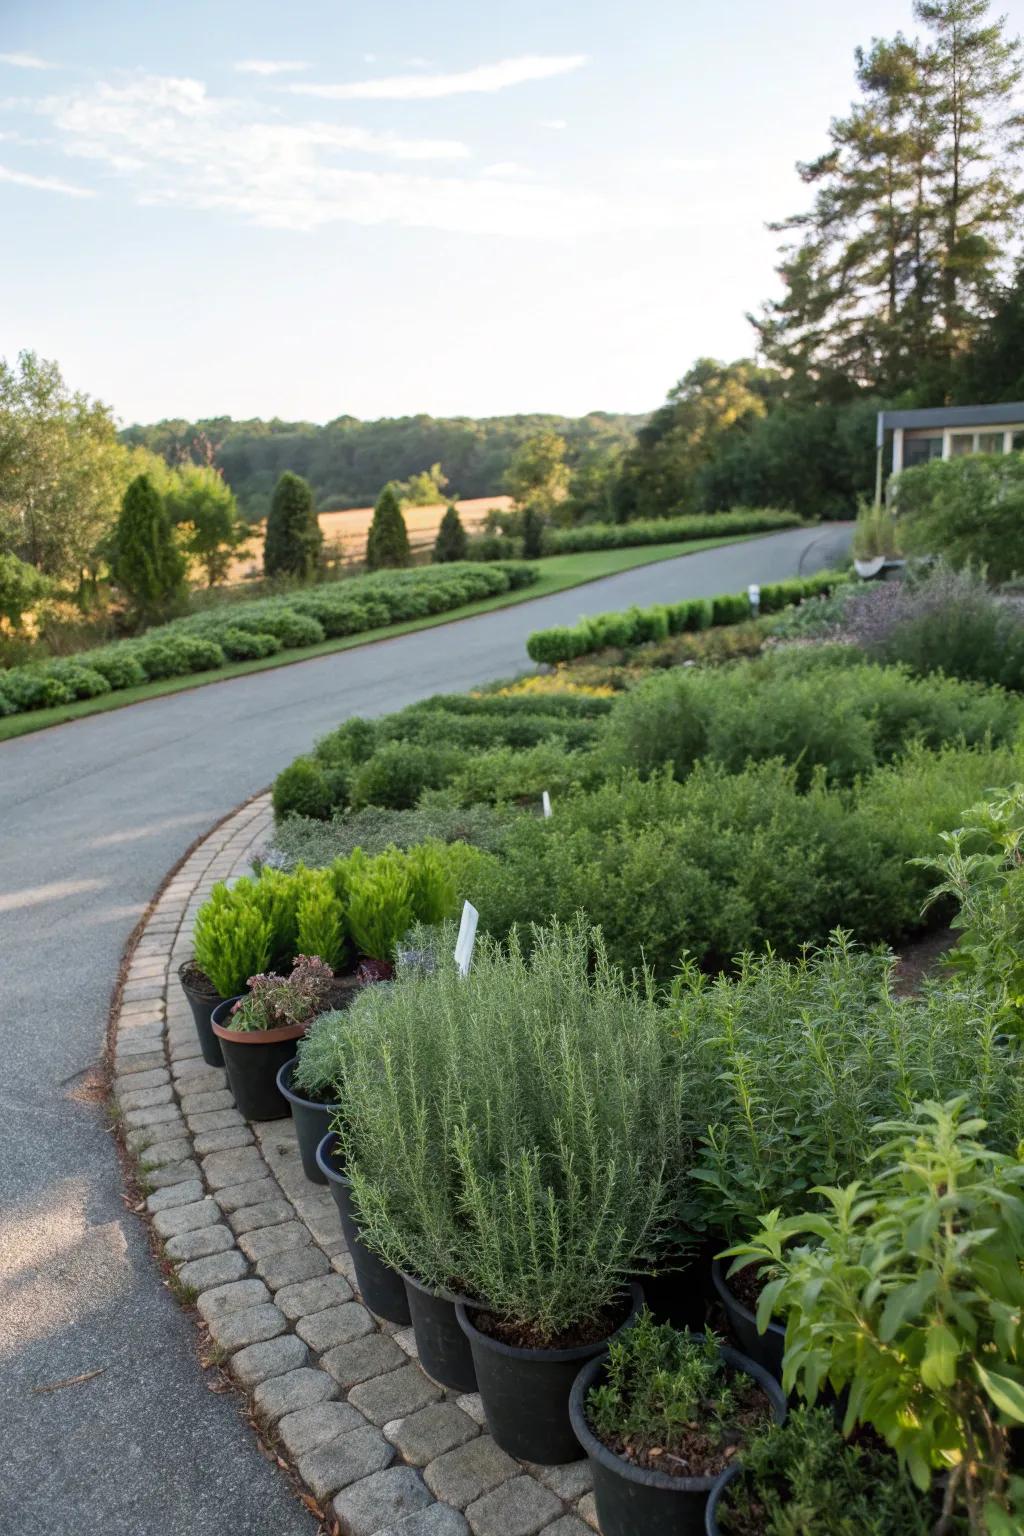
[467,937]
[545,801]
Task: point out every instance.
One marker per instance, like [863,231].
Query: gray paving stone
[229,1139]
[237,1330]
[472,1403]
[187,1218]
[337,1325]
[252,1192]
[423,1436]
[234,1167]
[216,1269]
[570,1481]
[520,1507]
[261,1361]
[587,1510]
[268,1213]
[172,1173]
[569,1525]
[395,1395]
[354,1455]
[130,1059]
[300,1390]
[196,1077]
[185,1193]
[291,1265]
[205,1101]
[462,1476]
[215,1120]
[313,1295]
[156,1077]
[200,1244]
[435,1520]
[307,1429]
[144,1098]
[159,1114]
[373,1355]
[405,1338]
[159,1153]
[381,1501]
[220,1300]
[288,1234]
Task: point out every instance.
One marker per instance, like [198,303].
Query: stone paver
[520,1507]
[262,1251]
[381,1501]
[348,1459]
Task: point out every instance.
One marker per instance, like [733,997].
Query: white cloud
[25,61]
[269,66]
[174,144]
[44,183]
[553,122]
[485,78]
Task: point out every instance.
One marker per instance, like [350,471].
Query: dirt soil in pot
[697,1450]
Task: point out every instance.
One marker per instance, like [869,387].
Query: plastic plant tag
[545,801]
[467,937]
[754,594]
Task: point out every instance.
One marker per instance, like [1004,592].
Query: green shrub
[451,542]
[247,644]
[318,1063]
[666,530]
[291,628]
[349,744]
[233,937]
[320,919]
[505,776]
[730,608]
[300,839]
[34,687]
[82,682]
[380,902]
[294,538]
[120,667]
[970,510]
[387,543]
[148,564]
[909,1292]
[538,1087]
[398,772]
[804,1467]
[308,788]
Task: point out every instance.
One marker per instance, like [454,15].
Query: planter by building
[380,1286]
[767,1348]
[632,1501]
[443,1348]
[525,1392]
[312,1122]
[252,1060]
[202,1001]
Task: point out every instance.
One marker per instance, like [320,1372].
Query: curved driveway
[92,815]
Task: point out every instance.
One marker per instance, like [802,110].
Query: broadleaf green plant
[907,1292]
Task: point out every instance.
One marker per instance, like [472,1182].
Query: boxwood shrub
[667,530]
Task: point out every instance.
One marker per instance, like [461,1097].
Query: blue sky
[307,210]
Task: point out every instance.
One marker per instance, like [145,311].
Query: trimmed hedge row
[667,530]
[249,631]
[638,626]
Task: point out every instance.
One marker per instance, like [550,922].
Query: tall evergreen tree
[451,539]
[294,536]
[387,543]
[148,564]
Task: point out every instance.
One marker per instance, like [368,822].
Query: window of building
[990,442]
[918,450]
[960,443]
[1018,440]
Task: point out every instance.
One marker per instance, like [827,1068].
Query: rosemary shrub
[516,1134]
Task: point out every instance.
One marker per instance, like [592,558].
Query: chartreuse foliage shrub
[233,937]
[801,1476]
[906,1292]
[638,626]
[666,530]
[982,869]
[253,630]
[516,1132]
[789,1064]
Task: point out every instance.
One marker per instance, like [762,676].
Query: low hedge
[667,530]
[251,630]
[639,626]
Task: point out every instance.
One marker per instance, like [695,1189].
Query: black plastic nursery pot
[312,1122]
[631,1501]
[718,1496]
[443,1348]
[252,1060]
[202,1004]
[380,1286]
[765,1348]
[525,1392]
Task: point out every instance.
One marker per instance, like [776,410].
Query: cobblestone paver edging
[260,1249]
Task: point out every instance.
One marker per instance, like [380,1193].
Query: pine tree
[533,532]
[294,536]
[451,537]
[387,543]
[147,563]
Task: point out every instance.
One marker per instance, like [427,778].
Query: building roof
[1005,415]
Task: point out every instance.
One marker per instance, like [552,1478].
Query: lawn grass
[558,574]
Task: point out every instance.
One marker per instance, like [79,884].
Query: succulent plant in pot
[514,1140]
[258,1030]
[660,1417]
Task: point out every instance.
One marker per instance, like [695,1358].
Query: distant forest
[348,461]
